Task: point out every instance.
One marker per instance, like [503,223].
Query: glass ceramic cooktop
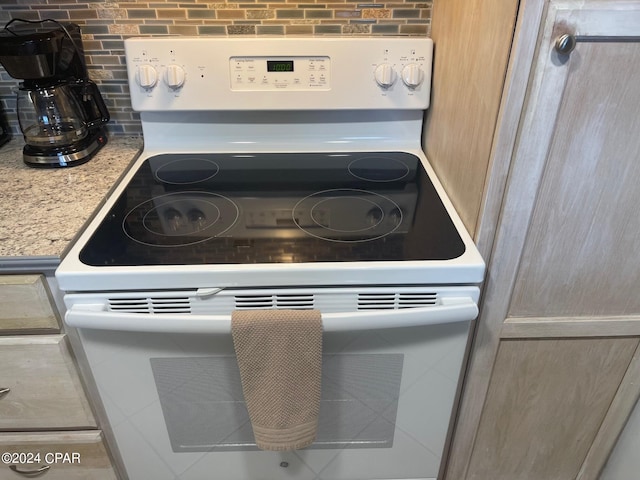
[182,209]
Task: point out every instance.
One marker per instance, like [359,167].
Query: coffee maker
[60,111]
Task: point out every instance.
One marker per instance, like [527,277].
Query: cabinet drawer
[44,390]
[62,456]
[26,305]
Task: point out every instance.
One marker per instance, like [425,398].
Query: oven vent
[150,305]
[396,300]
[281,301]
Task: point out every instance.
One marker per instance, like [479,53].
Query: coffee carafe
[60,111]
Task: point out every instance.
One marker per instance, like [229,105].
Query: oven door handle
[92,316]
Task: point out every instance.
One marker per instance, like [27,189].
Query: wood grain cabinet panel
[45,392]
[42,400]
[582,250]
[546,401]
[472,42]
[26,305]
[63,456]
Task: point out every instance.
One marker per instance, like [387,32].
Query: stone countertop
[43,209]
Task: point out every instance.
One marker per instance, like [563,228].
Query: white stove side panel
[199,73]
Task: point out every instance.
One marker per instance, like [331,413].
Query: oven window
[204,410]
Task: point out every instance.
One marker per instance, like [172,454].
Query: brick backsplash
[106,23]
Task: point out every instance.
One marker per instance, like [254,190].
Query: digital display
[279,65]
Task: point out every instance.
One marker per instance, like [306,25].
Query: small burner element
[179,219]
[186,171]
[378,169]
[363,215]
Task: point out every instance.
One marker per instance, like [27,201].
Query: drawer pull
[4,391]
[38,471]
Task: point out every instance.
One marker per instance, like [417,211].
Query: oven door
[175,405]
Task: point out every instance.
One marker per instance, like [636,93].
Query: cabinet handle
[38,471]
[565,43]
[4,391]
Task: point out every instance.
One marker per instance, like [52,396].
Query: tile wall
[106,23]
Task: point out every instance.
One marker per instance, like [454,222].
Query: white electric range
[276,173]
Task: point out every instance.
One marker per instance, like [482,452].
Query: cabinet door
[26,305]
[581,251]
[55,456]
[42,390]
[546,401]
[565,257]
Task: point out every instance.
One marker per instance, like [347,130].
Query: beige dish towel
[279,353]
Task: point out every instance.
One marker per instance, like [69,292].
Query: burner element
[347,224]
[347,215]
[179,219]
[186,171]
[378,169]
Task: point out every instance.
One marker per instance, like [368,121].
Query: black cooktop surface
[182,209]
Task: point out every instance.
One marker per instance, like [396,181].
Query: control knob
[174,76]
[385,75]
[146,76]
[412,75]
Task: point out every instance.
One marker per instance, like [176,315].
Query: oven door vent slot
[286,301]
[222,303]
[398,300]
[150,305]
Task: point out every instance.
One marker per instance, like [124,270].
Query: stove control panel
[279,73]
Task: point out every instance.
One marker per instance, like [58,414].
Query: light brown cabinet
[546,401]
[555,366]
[26,305]
[42,388]
[46,421]
[57,456]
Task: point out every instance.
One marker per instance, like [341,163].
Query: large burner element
[363,215]
[179,219]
